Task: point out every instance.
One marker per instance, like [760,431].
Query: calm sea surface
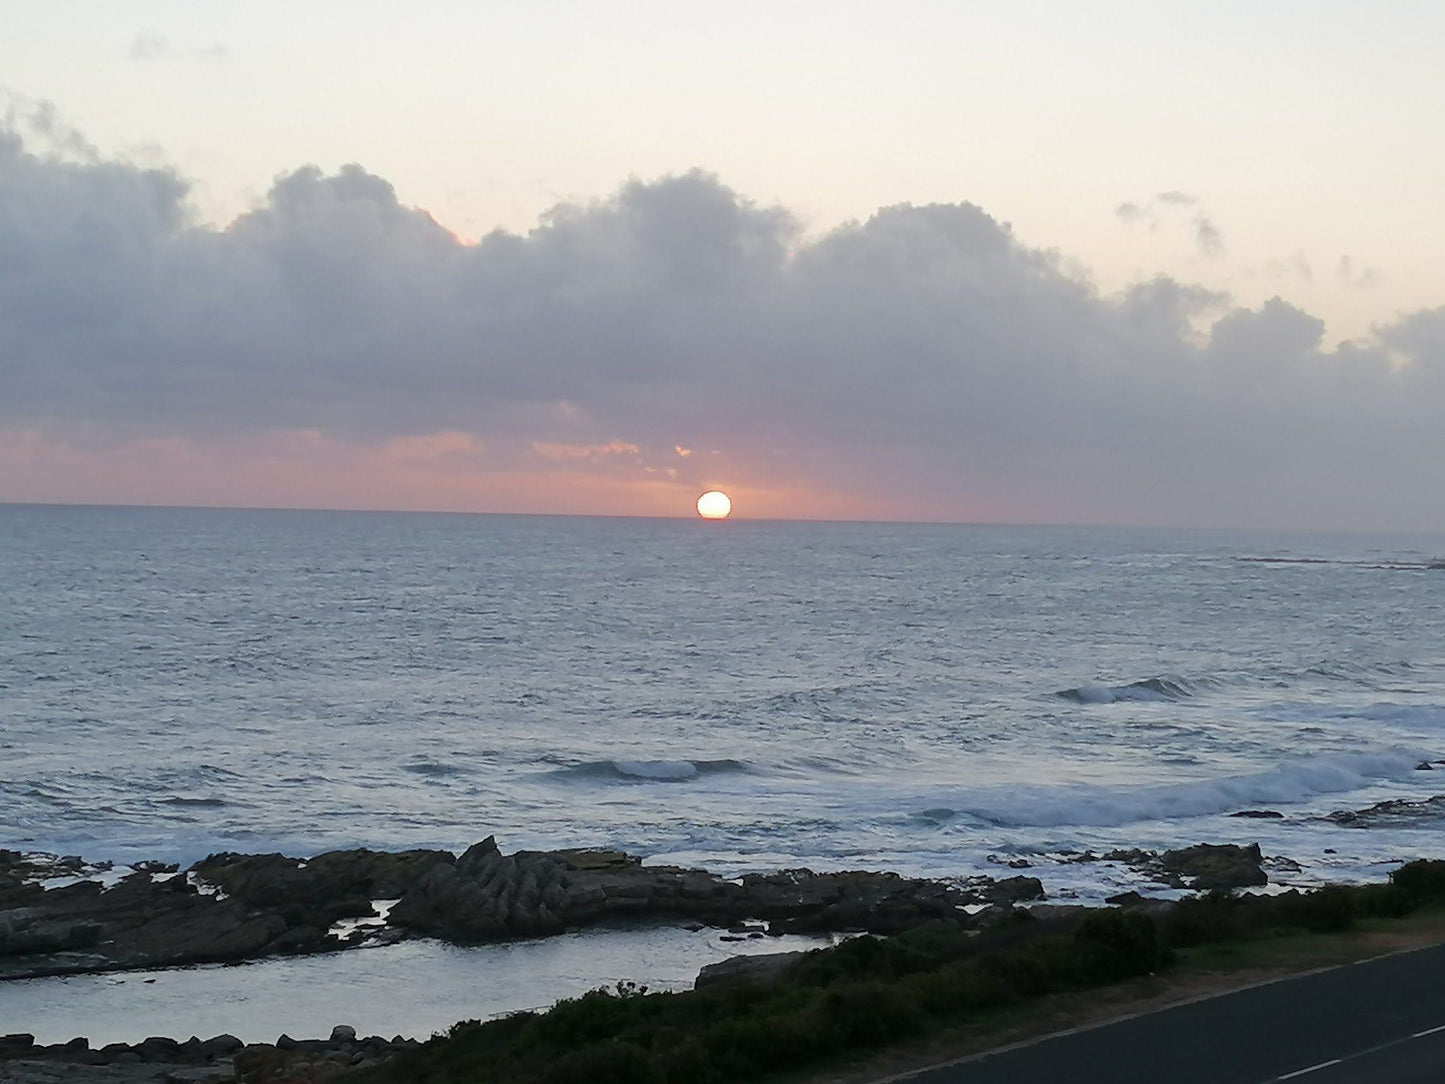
[933,699]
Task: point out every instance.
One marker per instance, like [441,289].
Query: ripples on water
[743,695]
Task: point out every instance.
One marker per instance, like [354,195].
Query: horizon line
[681,518]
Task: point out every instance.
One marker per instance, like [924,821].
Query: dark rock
[1259,814]
[1217,867]
[1013,890]
[320,890]
[1424,766]
[762,968]
[155,867]
[1392,811]
[343,1033]
[220,1045]
[1131,857]
[156,1047]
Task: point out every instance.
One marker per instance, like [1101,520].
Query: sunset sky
[1154,263]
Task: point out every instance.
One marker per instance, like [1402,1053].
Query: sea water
[739,695]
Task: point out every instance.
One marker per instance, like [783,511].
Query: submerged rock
[1393,811]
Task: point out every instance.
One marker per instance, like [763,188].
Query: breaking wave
[650,771]
[1157,689]
[1291,783]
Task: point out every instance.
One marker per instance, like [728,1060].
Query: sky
[1129,263]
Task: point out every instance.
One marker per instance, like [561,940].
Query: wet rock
[489,896]
[273,904]
[317,892]
[1393,811]
[1125,899]
[1217,866]
[1131,856]
[1260,814]
[1012,890]
[155,867]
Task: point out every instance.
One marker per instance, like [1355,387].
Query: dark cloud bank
[924,355]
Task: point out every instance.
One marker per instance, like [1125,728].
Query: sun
[714,504]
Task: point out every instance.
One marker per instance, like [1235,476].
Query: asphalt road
[1377,1022]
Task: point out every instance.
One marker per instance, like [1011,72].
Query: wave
[651,771]
[1086,805]
[1422,716]
[432,768]
[1154,689]
[1172,687]
[1401,564]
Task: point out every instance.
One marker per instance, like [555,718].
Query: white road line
[1311,1069]
[1427,1031]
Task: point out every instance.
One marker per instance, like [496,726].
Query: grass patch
[869,993]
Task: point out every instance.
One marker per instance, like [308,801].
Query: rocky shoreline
[160,1060]
[235,907]
[62,916]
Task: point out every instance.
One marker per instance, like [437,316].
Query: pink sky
[447,471]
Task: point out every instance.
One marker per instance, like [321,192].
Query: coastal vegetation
[871,991]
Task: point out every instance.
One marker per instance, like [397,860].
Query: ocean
[931,699]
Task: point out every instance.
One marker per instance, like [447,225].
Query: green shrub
[864,1013]
[1384,901]
[1115,945]
[1202,920]
[962,989]
[1424,879]
[1325,910]
[771,1039]
[607,1063]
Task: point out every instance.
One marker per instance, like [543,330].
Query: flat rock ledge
[232,907]
[488,896]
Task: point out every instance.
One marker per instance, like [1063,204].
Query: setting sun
[714,504]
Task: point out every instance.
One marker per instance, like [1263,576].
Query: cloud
[1295,266]
[923,362]
[148,45]
[1362,278]
[1176,199]
[1208,237]
[1129,213]
[1165,207]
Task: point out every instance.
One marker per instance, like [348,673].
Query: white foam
[1290,783]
